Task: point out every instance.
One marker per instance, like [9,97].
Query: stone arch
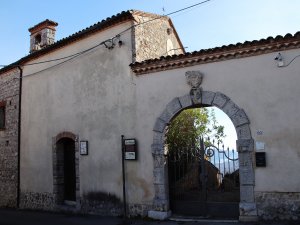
[57,181]
[66,134]
[245,146]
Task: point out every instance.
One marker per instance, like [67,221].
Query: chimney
[42,35]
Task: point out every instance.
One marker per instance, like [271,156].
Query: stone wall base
[100,203]
[278,205]
[96,203]
[139,209]
[159,215]
[37,201]
[8,194]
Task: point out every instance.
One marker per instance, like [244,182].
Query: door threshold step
[200,219]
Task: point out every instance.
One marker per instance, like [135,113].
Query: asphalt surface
[21,217]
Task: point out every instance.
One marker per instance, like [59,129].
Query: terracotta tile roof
[44,23]
[104,24]
[239,50]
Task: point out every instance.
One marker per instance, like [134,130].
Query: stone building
[9,134]
[126,75]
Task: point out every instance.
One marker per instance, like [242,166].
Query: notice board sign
[260,159]
[130,149]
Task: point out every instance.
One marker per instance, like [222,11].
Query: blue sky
[213,24]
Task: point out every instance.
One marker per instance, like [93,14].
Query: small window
[2,115]
[38,39]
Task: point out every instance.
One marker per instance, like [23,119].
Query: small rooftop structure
[42,35]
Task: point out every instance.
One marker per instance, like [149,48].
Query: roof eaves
[239,50]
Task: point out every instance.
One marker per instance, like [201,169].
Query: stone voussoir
[186,101]
[158,138]
[239,118]
[166,116]
[159,125]
[230,108]
[174,107]
[207,97]
[220,100]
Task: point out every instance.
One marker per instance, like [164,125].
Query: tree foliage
[186,129]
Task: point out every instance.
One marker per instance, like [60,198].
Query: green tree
[191,124]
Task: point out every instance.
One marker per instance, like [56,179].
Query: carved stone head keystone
[194,78]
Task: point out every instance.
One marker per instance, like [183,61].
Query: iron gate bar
[198,186]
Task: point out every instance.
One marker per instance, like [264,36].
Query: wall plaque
[260,158]
[130,149]
[84,148]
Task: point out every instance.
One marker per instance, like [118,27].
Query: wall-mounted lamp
[109,44]
[279,60]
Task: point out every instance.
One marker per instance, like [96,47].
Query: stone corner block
[159,161]
[247,193]
[220,100]
[161,192]
[186,101]
[248,209]
[159,176]
[157,149]
[247,178]
[207,97]
[159,215]
[245,145]
[243,132]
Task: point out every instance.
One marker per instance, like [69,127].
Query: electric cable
[160,16]
[291,61]
[70,57]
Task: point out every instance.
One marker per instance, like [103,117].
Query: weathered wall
[268,95]
[91,96]
[9,93]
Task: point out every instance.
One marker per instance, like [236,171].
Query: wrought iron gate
[204,181]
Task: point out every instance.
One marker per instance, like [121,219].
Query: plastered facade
[269,99]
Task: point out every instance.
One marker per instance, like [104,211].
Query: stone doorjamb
[56,179]
[245,146]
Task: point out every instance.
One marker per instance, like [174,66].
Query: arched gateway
[245,145]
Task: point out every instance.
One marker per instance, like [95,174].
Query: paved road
[20,217]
